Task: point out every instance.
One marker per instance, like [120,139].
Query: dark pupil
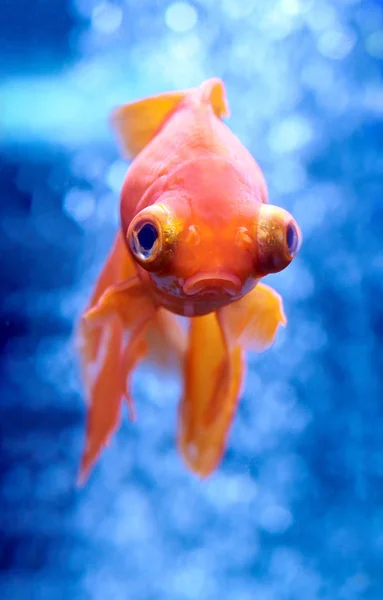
[291,239]
[147,236]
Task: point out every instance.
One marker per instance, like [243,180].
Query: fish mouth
[212,284]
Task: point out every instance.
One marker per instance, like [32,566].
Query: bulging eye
[278,239]
[151,237]
[293,238]
[144,240]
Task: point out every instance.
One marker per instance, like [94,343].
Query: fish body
[197,235]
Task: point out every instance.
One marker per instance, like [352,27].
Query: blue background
[296,509]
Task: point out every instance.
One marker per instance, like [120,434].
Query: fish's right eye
[144,240]
[151,236]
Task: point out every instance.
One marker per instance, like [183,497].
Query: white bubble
[321,201]
[374,44]
[275,519]
[291,134]
[276,25]
[115,176]
[289,176]
[295,7]
[181,17]
[372,98]
[223,491]
[133,519]
[186,47]
[106,17]
[311,335]
[191,581]
[238,10]
[336,44]
[318,75]
[302,283]
[321,17]
[84,7]
[345,267]
[16,484]
[79,204]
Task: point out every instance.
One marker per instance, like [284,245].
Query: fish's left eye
[278,239]
[292,239]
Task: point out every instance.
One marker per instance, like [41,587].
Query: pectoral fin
[108,362]
[214,366]
[213,374]
[253,320]
[167,341]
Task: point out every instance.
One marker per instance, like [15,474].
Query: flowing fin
[213,376]
[134,351]
[138,122]
[119,306]
[108,368]
[167,340]
[118,267]
[214,368]
[213,92]
[253,320]
[104,389]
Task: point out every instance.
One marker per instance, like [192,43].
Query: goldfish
[196,237]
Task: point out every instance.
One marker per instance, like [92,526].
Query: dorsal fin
[137,122]
[213,92]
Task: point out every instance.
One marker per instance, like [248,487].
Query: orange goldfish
[196,238]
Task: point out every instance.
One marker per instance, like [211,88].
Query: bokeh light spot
[79,204]
[336,44]
[181,17]
[290,134]
[106,17]
[374,44]
[238,10]
[275,519]
[115,176]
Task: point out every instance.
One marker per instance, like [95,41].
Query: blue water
[295,511]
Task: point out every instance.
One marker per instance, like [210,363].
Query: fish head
[209,238]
